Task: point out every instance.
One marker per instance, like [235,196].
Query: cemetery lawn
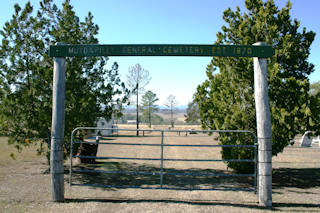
[24,187]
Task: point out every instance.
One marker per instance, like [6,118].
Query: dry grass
[24,187]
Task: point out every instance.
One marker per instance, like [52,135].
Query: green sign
[160,50]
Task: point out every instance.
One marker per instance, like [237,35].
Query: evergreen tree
[192,116]
[226,98]
[148,106]
[26,69]
[157,119]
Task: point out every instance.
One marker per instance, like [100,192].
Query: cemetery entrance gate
[259,51]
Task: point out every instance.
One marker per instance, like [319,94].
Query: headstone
[306,139]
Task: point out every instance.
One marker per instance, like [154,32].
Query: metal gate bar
[164,188]
[164,159]
[156,144]
[161,173]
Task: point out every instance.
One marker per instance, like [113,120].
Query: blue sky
[172,22]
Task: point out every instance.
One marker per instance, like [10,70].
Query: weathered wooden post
[57,129]
[264,131]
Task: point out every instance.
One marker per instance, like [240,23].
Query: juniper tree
[226,98]
[92,91]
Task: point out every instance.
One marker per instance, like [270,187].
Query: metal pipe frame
[161,173]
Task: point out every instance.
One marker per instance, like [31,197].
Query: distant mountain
[164,109]
[129,109]
[180,109]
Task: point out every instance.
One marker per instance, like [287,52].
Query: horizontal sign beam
[160,50]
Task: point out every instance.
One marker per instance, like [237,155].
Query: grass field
[24,187]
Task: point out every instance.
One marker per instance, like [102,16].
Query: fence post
[264,131]
[57,130]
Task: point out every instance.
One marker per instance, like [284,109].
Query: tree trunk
[172,123]
[137,109]
[149,115]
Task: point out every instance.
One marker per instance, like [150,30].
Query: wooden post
[264,131]
[57,130]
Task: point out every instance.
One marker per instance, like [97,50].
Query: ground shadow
[253,205]
[196,178]
[302,178]
[174,201]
